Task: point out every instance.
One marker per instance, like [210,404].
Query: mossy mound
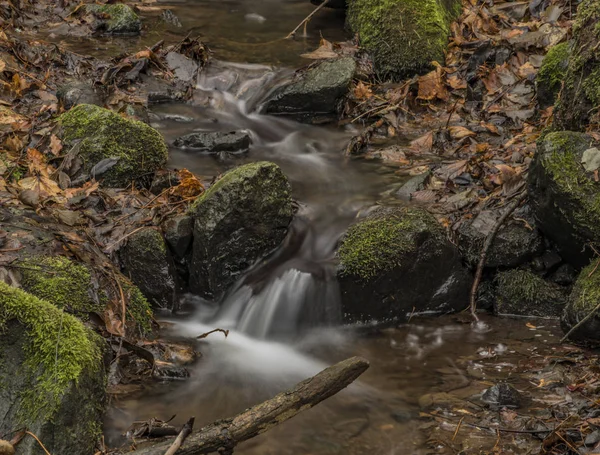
[584,298]
[398,260]
[241,218]
[579,100]
[403,36]
[116,19]
[139,148]
[523,293]
[52,375]
[564,197]
[552,73]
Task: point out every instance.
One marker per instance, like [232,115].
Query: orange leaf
[55,145]
[459,132]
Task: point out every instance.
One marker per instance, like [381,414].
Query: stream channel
[284,315]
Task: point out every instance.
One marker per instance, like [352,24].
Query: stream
[284,315]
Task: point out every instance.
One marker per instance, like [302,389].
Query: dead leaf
[55,145]
[362,92]
[431,86]
[423,144]
[325,50]
[459,132]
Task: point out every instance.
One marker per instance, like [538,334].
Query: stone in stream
[584,298]
[315,93]
[403,36]
[552,73]
[502,395]
[73,93]
[397,261]
[523,293]
[216,142]
[179,231]
[564,196]
[146,260]
[241,218]
[100,134]
[52,377]
[115,19]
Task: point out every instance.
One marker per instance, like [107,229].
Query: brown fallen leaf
[459,132]
[423,144]
[325,50]
[55,145]
[431,85]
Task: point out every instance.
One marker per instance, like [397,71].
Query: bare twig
[486,246]
[183,434]
[204,335]
[580,323]
[307,19]
[38,441]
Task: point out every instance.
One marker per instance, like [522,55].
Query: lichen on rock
[139,148]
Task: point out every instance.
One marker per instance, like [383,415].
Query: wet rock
[415,184]
[184,68]
[503,395]
[592,439]
[241,218]
[552,74]
[564,197]
[147,262]
[403,415]
[163,179]
[515,243]
[584,298]
[397,261]
[165,371]
[169,17]
[216,141]
[64,409]
[523,293]
[403,37]
[76,92]
[115,19]
[565,275]
[316,92]
[139,150]
[179,232]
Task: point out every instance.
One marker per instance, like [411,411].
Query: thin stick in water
[306,20]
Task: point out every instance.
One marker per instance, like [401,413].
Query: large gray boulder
[397,261]
[241,218]
[52,379]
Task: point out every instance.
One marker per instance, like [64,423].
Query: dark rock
[523,293]
[170,18]
[315,92]
[163,179]
[115,19]
[565,275]
[146,261]
[592,439]
[215,142]
[415,184]
[563,196]
[514,244]
[179,232]
[241,218]
[73,93]
[397,261]
[552,73]
[584,298]
[503,395]
[403,415]
[170,372]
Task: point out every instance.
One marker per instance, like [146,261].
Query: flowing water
[284,315]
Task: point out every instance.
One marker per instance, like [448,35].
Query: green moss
[585,295]
[120,18]
[148,241]
[554,68]
[138,309]
[59,351]
[384,241]
[140,149]
[403,36]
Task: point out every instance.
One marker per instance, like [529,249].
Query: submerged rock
[403,37]
[135,149]
[552,74]
[147,262]
[502,395]
[52,377]
[397,261]
[316,92]
[584,298]
[241,218]
[115,19]
[523,293]
[564,196]
[216,141]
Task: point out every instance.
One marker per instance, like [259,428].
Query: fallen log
[224,435]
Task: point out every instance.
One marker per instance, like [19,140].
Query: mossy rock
[116,19]
[579,99]
[397,261]
[552,73]
[146,260]
[139,148]
[52,379]
[403,36]
[584,298]
[241,218]
[523,293]
[564,197]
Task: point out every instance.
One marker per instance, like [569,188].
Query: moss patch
[139,312]
[117,18]
[60,349]
[140,149]
[552,73]
[403,36]
[384,241]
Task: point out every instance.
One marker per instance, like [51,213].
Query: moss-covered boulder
[146,260]
[580,97]
[403,36]
[564,196]
[523,293]
[552,73]
[115,19]
[52,376]
[397,261]
[137,149]
[241,218]
[313,95]
[584,298]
